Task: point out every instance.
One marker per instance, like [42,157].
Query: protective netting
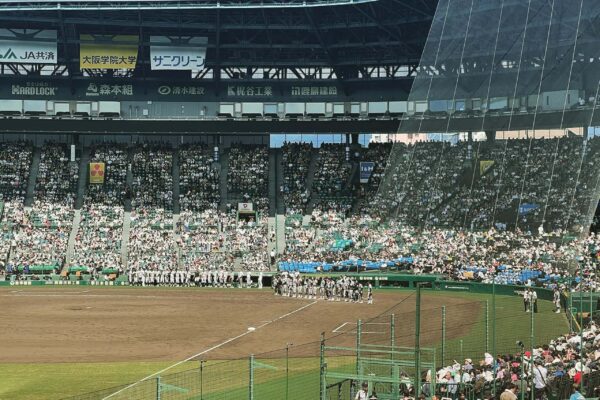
[498,66]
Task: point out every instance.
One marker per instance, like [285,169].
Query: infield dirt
[95,324]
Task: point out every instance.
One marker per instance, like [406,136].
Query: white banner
[245,207]
[28,46]
[165,54]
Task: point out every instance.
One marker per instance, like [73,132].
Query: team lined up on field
[204,278]
[345,288]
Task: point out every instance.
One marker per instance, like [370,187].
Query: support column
[491,136]
[470,145]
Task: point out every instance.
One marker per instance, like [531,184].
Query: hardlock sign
[28,46]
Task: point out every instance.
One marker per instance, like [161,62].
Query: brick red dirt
[96,324]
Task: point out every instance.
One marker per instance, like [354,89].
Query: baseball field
[65,341]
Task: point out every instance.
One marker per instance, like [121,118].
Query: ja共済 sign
[28,46]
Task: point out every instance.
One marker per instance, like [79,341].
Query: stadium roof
[68,5]
[343,35]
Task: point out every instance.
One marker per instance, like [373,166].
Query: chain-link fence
[383,346]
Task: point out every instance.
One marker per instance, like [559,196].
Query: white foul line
[336,330]
[211,349]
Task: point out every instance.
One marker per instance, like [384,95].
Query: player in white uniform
[556,300]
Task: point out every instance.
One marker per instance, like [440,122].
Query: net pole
[201,380]
[494,334]
[571,311]
[418,343]
[287,371]
[581,323]
[591,307]
[393,330]
[323,388]
[393,334]
[251,378]
[531,356]
[443,335]
[358,340]
[487,326]
[158,387]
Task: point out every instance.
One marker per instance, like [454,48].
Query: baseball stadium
[299,200]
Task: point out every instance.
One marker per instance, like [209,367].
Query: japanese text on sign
[181,90]
[109,90]
[249,91]
[314,91]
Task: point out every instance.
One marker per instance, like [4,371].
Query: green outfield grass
[59,380]
[229,379]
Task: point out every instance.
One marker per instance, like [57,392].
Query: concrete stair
[125,237]
[83,177]
[310,178]
[223,180]
[273,192]
[128,183]
[33,173]
[176,191]
[176,237]
[279,182]
[280,234]
[73,236]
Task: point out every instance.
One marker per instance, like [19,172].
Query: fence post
[158,387]
[201,380]
[494,392]
[571,309]
[591,306]
[393,331]
[393,334]
[251,379]
[443,336]
[287,371]
[358,341]
[531,356]
[323,385]
[487,327]
[418,343]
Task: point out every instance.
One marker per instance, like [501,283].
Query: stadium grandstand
[316,199]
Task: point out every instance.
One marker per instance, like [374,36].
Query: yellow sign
[108,52]
[96,172]
[484,166]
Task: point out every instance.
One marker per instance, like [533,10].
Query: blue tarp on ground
[308,267]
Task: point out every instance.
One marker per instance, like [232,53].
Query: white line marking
[80,295]
[336,330]
[211,349]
